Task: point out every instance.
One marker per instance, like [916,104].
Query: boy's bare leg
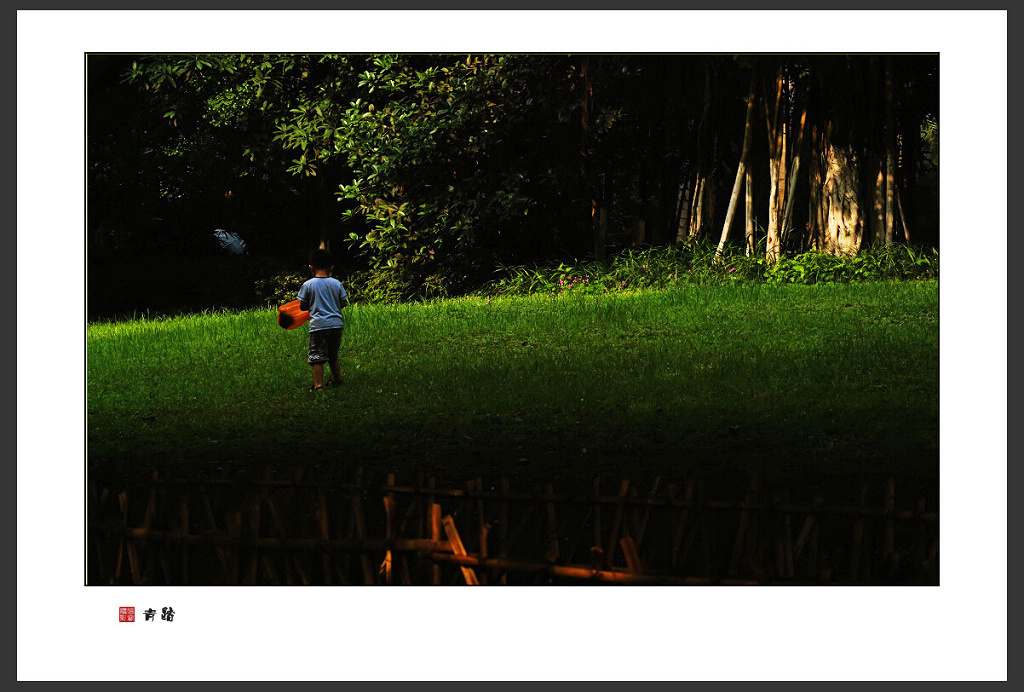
[336,371]
[318,375]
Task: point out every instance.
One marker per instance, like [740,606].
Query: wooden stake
[390,520]
[350,532]
[632,555]
[930,565]
[129,545]
[421,522]
[858,537]
[633,518]
[891,557]
[271,571]
[503,519]
[484,530]
[704,521]
[169,577]
[551,551]
[435,535]
[253,533]
[680,528]
[434,522]
[570,556]
[787,541]
[616,525]
[647,514]
[211,521]
[325,534]
[737,548]
[457,548]
[389,509]
[360,523]
[403,572]
[235,532]
[481,520]
[185,528]
[282,535]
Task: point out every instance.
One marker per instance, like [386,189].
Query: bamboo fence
[293,531]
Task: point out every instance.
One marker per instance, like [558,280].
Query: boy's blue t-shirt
[324,295]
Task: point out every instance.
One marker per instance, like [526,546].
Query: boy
[324,297]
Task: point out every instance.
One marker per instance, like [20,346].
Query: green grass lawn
[808,385]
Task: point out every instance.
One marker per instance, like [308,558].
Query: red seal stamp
[126,614]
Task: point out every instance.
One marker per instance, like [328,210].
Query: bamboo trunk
[696,219]
[749,233]
[683,213]
[747,135]
[787,211]
[903,219]
[890,154]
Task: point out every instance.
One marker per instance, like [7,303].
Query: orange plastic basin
[290,316]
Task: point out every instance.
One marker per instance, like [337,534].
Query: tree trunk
[875,167]
[890,154]
[747,135]
[596,205]
[600,219]
[704,213]
[749,235]
[815,204]
[698,209]
[903,218]
[843,229]
[787,211]
[776,168]
[683,213]
[776,173]
[702,202]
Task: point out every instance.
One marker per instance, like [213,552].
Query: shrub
[656,268]
[400,283]
[280,288]
[892,263]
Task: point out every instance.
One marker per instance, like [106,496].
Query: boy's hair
[321,259]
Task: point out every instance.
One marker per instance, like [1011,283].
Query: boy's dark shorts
[324,345]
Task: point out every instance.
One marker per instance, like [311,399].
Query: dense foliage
[424,173]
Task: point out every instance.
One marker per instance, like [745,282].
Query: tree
[434,164]
[247,105]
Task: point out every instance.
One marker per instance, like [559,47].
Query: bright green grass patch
[791,379]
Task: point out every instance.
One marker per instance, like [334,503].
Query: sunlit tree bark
[776,164]
[843,223]
[740,169]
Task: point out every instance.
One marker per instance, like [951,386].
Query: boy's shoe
[316,388]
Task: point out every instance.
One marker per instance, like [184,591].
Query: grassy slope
[810,385]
